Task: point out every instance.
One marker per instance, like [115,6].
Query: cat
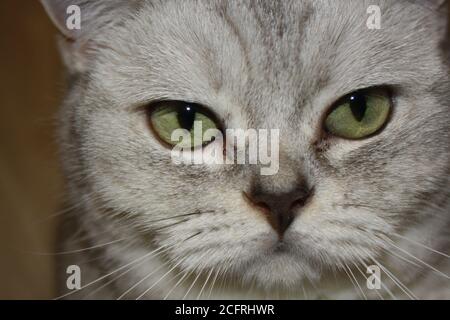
[360,205]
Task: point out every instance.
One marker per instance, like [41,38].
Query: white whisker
[417,259]
[394,279]
[206,281]
[365,277]
[421,245]
[79,250]
[377,278]
[126,292]
[403,258]
[214,282]
[192,285]
[107,275]
[186,273]
[160,279]
[353,280]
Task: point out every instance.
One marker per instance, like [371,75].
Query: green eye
[168,116]
[359,114]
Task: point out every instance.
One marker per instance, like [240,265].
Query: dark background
[30,182]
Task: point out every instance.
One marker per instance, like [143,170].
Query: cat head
[338,195]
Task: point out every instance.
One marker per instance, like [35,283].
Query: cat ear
[75,18]
[79,21]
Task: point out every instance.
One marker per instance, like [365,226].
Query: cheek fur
[283,74]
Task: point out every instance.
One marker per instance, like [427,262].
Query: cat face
[262,65]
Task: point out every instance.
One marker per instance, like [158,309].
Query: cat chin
[279,269]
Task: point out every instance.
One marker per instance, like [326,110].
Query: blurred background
[31,84]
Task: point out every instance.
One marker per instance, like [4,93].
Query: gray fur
[258,64]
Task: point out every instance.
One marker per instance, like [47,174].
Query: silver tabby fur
[257,64]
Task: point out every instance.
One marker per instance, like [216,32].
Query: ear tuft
[79,20]
[60,11]
[76,18]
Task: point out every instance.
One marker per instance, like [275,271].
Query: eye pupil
[186,117]
[358,106]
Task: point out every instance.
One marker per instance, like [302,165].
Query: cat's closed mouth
[281,247]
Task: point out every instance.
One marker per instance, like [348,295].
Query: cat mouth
[278,251]
[281,247]
[281,267]
[280,263]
